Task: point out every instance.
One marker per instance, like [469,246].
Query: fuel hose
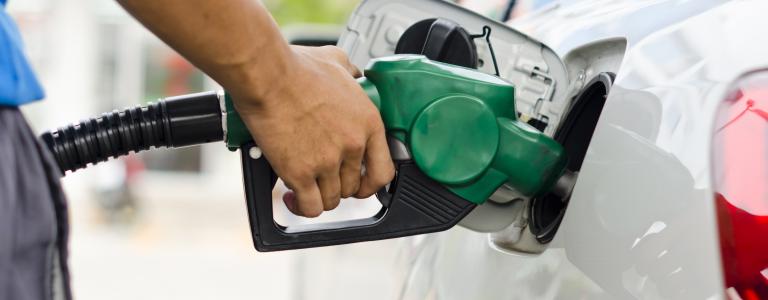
[172,122]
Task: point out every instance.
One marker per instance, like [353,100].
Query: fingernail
[289,198]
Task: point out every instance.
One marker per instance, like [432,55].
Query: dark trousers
[33,216]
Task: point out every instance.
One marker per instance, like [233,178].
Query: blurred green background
[288,12]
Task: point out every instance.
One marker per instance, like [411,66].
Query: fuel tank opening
[575,133]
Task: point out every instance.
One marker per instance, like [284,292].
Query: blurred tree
[311,11]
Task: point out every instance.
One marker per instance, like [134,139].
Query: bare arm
[302,105]
[235,42]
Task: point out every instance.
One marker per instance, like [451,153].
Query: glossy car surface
[641,222]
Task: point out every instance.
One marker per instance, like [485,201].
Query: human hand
[317,128]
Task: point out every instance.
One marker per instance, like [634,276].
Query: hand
[317,128]
[304,109]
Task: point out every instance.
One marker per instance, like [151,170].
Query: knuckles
[355,146]
[335,52]
[328,164]
[299,177]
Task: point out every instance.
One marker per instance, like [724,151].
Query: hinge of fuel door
[535,117]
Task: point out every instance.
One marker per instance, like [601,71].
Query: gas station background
[172,224]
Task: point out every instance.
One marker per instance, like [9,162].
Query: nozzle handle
[413,204]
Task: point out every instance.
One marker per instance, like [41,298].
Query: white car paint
[641,221]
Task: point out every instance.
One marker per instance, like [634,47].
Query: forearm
[316,129]
[236,42]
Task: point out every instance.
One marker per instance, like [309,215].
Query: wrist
[254,82]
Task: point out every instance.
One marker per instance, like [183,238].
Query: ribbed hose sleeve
[172,122]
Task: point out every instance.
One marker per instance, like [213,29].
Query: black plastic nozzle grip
[414,204]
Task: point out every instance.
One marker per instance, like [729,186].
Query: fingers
[305,202]
[308,200]
[308,208]
[379,169]
[311,197]
[289,198]
[350,172]
[343,60]
[353,70]
[330,189]
[347,65]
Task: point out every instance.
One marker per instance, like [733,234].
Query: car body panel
[641,222]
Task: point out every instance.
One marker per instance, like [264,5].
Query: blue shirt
[18,84]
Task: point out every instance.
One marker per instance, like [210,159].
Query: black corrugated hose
[171,122]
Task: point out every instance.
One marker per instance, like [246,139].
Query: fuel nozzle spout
[564,185]
[172,122]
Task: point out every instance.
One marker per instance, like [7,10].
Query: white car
[662,106]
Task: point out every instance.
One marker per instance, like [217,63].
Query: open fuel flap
[540,77]
[561,97]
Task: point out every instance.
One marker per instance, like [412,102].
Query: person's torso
[18,83]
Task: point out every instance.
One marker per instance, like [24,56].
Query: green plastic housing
[459,125]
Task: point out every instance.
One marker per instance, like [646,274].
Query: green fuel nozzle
[454,133]
[459,126]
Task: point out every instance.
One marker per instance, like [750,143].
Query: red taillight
[740,165]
